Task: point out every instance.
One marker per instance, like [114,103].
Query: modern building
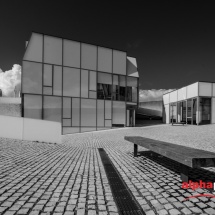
[193,104]
[85,87]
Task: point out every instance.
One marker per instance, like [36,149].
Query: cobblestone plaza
[69,178]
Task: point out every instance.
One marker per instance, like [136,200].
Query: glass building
[193,104]
[85,87]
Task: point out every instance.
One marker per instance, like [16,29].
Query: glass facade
[83,86]
[194,111]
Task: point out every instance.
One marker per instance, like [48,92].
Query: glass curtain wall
[173,112]
[205,110]
[61,83]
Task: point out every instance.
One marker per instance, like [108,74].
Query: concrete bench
[186,156]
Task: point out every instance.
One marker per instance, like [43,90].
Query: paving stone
[210,211]
[186,211]
[162,212]
[174,212]
[151,212]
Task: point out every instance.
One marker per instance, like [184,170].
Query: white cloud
[9,80]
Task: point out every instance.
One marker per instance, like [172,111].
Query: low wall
[30,129]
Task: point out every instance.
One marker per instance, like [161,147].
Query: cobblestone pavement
[69,178]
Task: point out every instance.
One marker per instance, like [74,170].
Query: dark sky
[173,41]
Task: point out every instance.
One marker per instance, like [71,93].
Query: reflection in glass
[88,112]
[32,78]
[47,75]
[104,86]
[182,111]
[84,83]
[121,88]
[57,85]
[205,110]
[115,94]
[189,111]
[52,108]
[33,106]
[173,111]
[75,112]
[66,107]
[71,82]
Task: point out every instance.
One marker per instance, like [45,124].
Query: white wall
[205,89]
[166,98]
[30,129]
[41,130]
[213,110]
[173,96]
[182,94]
[11,127]
[167,113]
[192,90]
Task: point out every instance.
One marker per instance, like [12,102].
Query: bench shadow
[195,174]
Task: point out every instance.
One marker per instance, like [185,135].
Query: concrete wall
[30,129]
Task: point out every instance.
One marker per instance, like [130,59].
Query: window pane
[119,62]
[100,113]
[47,90]
[131,82]
[86,129]
[34,50]
[88,112]
[66,107]
[115,80]
[134,94]
[70,130]
[104,86]
[119,113]
[84,83]
[52,108]
[104,59]
[32,78]
[52,50]
[107,109]
[107,123]
[71,82]
[71,53]
[57,88]
[75,112]
[104,78]
[66,122]
[92,80]
[47,81]
[121,88]
[33,106]
[88,56]
[92,95]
